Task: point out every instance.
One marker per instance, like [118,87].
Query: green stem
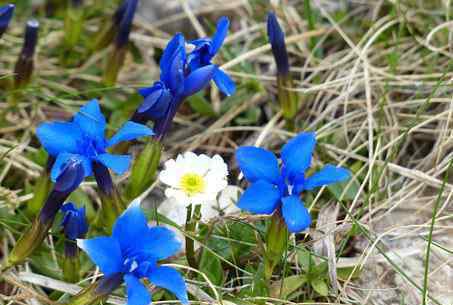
[276,240]
[97,291]
[191,224]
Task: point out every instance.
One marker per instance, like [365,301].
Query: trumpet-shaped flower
[176,83]
[204,52]
[83,139]
[133,251]
[74,221]
[274,189]
[6,13]
[194,178]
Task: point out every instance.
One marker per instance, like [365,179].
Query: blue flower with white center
[83,139]
[204,52]
[176,83]
[273,189]
[133,252]
[74,221]
[6,13]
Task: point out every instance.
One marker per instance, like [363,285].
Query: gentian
[289,100]
[161,101]
[74,226]
[69,179]
[273,189]
[6,13]
[23,69]
[206,49]
[125,16]
[132,252]
[83,138]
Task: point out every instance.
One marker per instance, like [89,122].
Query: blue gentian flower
[6,13]
[273,189]
[176,83]
[133,252]
[74,221]
[204,52]
[83,139]
[277,41]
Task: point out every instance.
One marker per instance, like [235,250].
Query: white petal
[173,210]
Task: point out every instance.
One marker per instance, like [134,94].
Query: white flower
[194,179]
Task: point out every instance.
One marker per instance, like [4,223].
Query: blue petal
[160,243]
[277,40]
[105,252]
[63,158]
[130,228]
[296,215]
[257,163]
[176,43]
[130,131]
[296,154]
[119,164]
[220,34]
[91,120]
[198,79]
[260,198]
[69,179]
[137,294]
[171,280]
[224,82]
[174,78]
[156,101]
[327,175]
[74,221]
[57,137]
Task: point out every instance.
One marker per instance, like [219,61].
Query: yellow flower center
[192,184]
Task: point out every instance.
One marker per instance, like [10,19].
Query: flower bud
[24,65]
[277,41]
[6,13]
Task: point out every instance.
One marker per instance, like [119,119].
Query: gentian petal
[257,163]
[296,215]
[171,280]
[224,82]
[74,221]
[329,174]
[220,34]
[119,164]
[62,159]
[160,243]
[296,154]
[130,228]
[91,120]
[261,197]
[105,252]
[137,294]
[6,13]
[157,100]
[277,41]
[176,43]
[198,79]
[57,137]
[130,131]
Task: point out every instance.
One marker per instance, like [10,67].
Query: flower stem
[191,224]
[71,262]
[276,243]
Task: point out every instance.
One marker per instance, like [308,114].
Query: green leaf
[305,259]
[349,188]
[212,267]
[200,105]
[348,273]
[320,286]
[290,284]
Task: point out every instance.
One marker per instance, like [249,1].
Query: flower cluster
[273,189]
[133,252]
[182,75]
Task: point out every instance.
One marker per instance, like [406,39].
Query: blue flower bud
[6,13]
[31,38]
[24,65]
[68,181]
[277,41]
[124,17]
[74,221]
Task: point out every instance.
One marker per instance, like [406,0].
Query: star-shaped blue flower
[133,251]
[272,189]
[204,52]
[83,139]
[74,221]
